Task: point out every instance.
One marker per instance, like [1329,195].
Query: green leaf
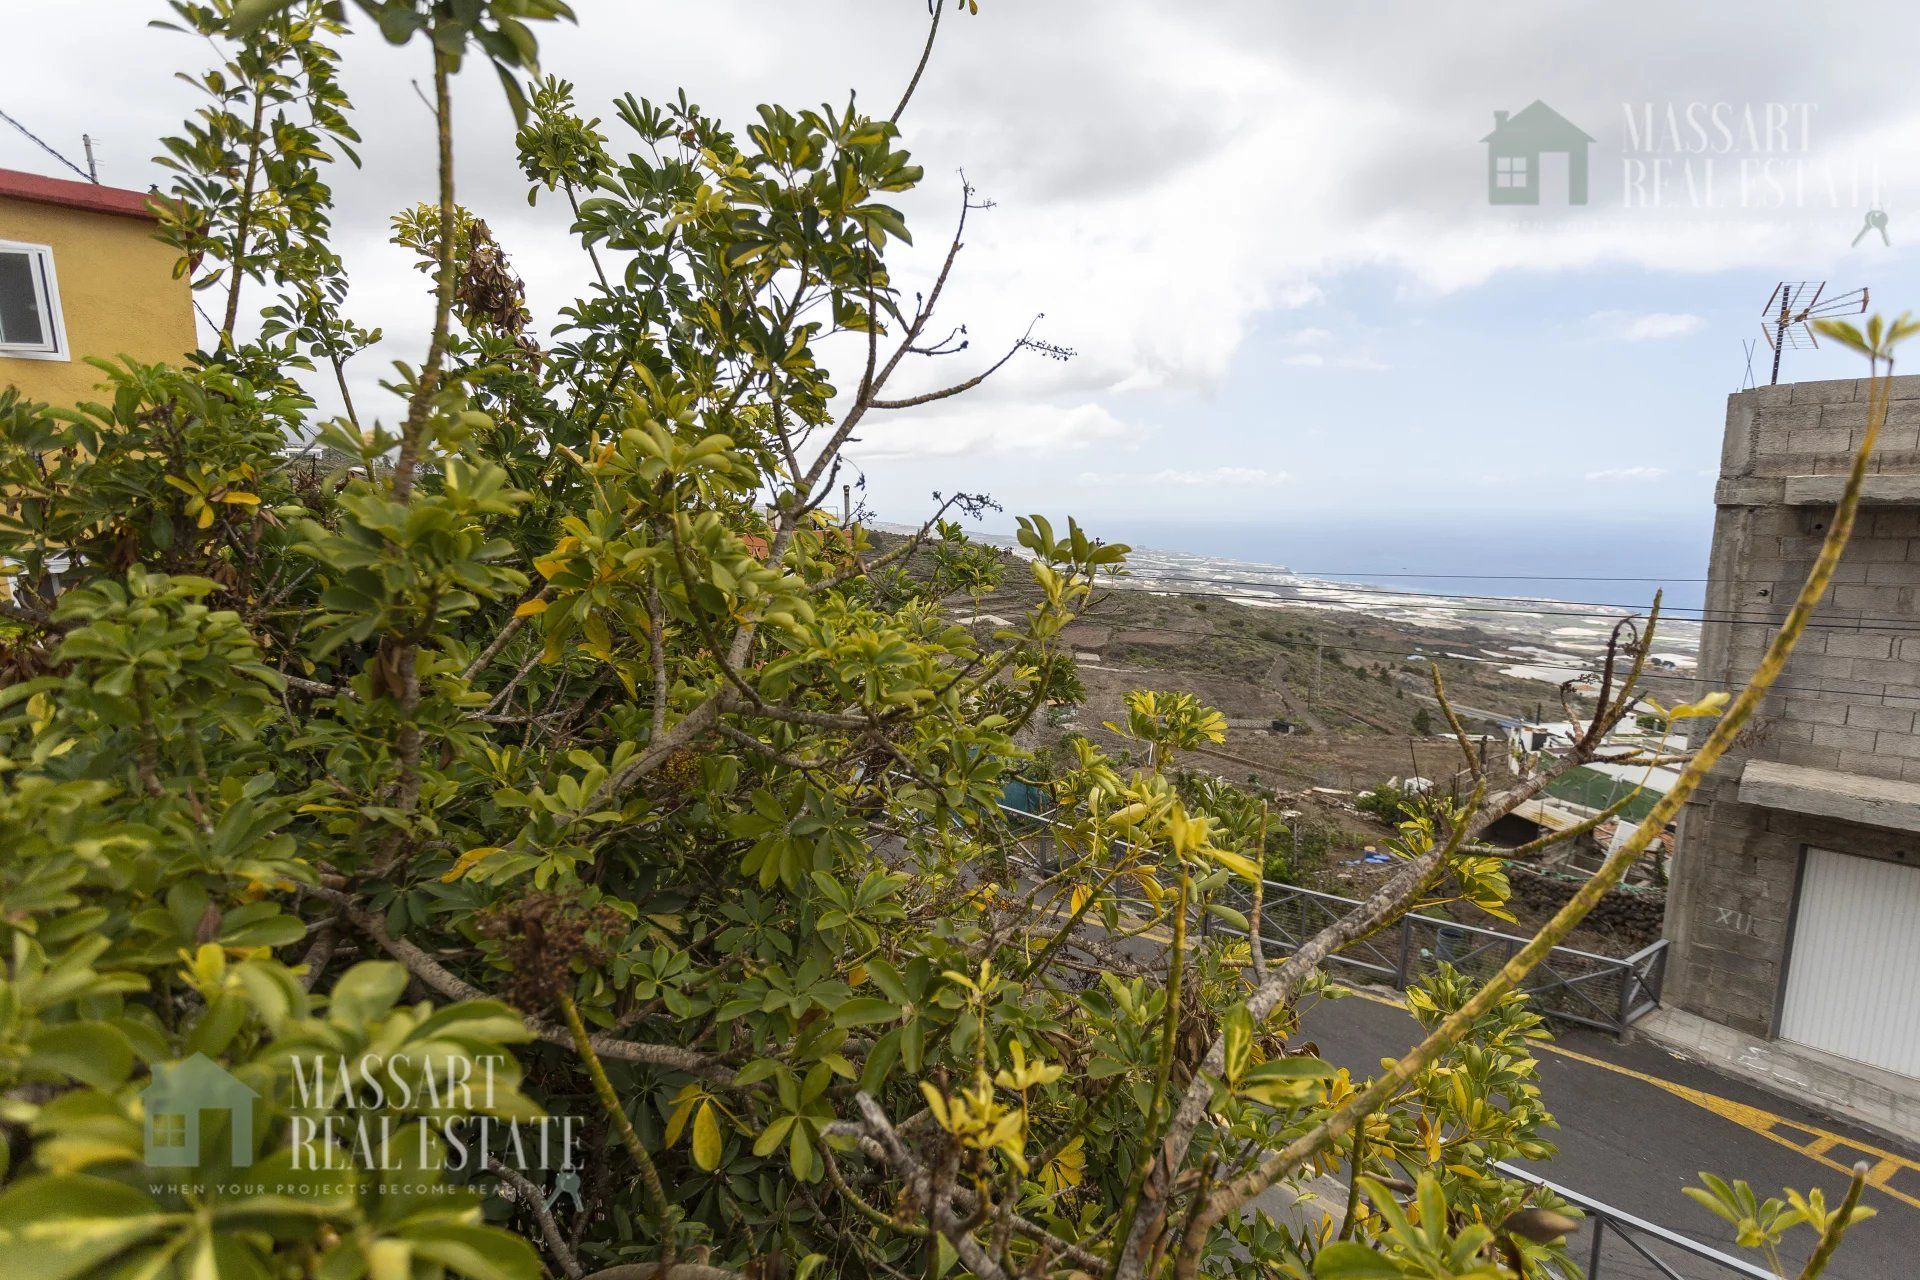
[1235,918]
[1349,1260]
[1282,1081]
[800,1151]
[1238,1037]
[480,1253]
[66,1227]
[366,992]
[91,1052]
[864,1010]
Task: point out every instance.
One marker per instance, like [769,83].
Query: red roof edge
[73,195]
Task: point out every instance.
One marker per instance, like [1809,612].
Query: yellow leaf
[241,499]
[1066,1168]
[599,636]
[1711,705]
[531,608]
[706,1138]
[1080,895]
[936,1103]
[206,517]
[467,862]
[1241,865]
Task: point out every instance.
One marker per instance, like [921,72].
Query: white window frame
[1512,171]
[56,321]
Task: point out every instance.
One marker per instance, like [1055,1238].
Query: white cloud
[1317,360]
[1626,475]
[1628,326]
[1232,476]
[1202,172]
[990,429]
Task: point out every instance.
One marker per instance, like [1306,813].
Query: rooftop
[40,189]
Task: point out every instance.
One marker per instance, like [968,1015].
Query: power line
[47,147]
[1549,665]
[1574,669]
[1141,575]
[1538,606]
[1487,577]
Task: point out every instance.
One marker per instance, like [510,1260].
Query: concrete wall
[1838,706]
[117,292]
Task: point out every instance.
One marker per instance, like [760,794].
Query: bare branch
[926,52]
[528,1197]
[507,633]
[1453,721]
[921,1179]
[954,390]
[453,987]
[1230,1198]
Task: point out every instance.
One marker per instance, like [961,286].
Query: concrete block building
[1794,908]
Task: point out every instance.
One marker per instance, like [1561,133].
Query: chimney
[1499,119]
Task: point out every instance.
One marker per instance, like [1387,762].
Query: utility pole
[1314,700]
[93,169]
[846,504]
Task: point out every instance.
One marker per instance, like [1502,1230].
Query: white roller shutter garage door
[1853,980]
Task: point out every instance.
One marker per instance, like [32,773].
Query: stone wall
[1847,701]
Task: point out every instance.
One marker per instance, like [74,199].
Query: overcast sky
[1264,226]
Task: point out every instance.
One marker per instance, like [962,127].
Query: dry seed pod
[1542,1226]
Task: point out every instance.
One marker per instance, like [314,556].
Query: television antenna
[1791,308]
[90,173]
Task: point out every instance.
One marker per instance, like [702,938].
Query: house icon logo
[176,1099]
[1516,145]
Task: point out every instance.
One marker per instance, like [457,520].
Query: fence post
[1628,976]
[1406,947]
[1593,1256]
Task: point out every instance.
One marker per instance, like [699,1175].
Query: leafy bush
[549,765]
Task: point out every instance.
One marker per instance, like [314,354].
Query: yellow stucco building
[81,275]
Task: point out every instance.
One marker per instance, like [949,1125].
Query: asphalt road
[1638,1124]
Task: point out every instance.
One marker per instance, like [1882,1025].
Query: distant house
[174,1102]
[1514,149]
[82,275]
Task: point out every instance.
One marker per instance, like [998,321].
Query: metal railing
[1618,1246]
[1579,986]
[1604,992]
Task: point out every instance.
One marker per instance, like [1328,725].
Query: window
[1510,171]
[169,1131]
[30,322]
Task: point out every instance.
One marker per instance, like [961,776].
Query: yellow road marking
[1811,1142]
